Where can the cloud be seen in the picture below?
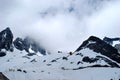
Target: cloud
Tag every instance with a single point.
(60, 24)
(106, 21)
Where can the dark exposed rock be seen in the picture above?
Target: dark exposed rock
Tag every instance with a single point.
(110, 40)
(111, 63)
(44, 61)
(18, 43)
(89, 60)
(6, 39)
(70, 53)
(28, 44)
(117, 46)
(19, 70)
(42, 71)
(101, 47)
(26, 57)
(2, 54)
(24, 71)
(63, 68)
(3, 77)
(80, 54)
(98, 65)
(65, 58)
(30, 54)
(79, 62)
(53, 61)
(33, 60)
(59, 51)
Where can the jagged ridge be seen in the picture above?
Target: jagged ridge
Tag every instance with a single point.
(101, 47)
(7, 43)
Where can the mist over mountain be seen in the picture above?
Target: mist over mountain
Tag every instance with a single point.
(21, 58)
(59, 23)
(60, 39)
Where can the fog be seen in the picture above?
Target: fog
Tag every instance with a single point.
(61, 24)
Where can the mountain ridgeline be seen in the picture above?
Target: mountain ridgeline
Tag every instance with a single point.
(27, 44)
(94, 52)
(101, 47)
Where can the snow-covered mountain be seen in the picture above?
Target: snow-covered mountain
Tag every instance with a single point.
(27, 44)
(93, 60)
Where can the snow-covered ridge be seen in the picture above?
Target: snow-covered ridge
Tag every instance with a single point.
(93, 58)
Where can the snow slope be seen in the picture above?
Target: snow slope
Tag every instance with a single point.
(25, 60)
(50, 67)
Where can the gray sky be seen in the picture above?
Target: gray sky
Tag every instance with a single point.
(61, 24)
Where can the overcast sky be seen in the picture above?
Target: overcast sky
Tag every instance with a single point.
(61, 24)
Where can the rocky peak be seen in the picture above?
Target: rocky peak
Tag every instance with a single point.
(101, 47)
(29, 45)
(6, 39)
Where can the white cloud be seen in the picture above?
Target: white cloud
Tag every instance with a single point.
(60, 24)
(106, 21)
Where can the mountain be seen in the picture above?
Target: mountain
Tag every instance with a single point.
(6, 39)
(27, 44)
(93, 60)
(101, 47)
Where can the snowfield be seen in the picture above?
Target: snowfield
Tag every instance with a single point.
(19, 66)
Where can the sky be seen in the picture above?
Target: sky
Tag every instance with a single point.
(61, 24)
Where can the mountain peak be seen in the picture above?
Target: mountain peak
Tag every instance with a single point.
(90, 40)
(6, 39)
(101, 47)
(28, 44)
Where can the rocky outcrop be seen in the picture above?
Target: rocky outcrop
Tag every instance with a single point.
(101, 47)
(6, 39)
(2, 54)
(28, 45)
(98, 58)
(18, 43)
(117, 46)
(3, 77)
(110, 40)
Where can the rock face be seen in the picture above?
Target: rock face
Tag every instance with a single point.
(110, 40)
(3, 77)
(117, 46)
(18, 43)
(29, 45)
(101, 47)
(6, 39)
(2, 54)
